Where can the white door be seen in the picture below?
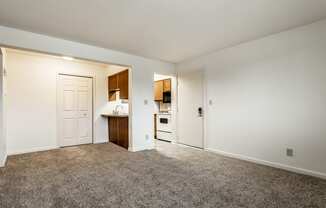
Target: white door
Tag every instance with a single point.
(190, 109)
(75, 110)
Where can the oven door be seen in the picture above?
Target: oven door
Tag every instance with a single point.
(163, 123)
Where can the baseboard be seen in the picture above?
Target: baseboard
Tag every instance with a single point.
(102, 141)
(270, 164)
(35, 149)
(3, 162)
(141, 148)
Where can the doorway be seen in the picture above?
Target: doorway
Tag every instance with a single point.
(190, 109)
(75, 110)
(165, 107)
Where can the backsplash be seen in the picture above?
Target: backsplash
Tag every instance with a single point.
(110, 106)
(162, 107)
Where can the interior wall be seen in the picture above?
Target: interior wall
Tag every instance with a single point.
(268, 95)
(142, 74)
(3, 129)
(32, 93)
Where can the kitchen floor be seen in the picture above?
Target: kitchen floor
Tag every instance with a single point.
(105, 175)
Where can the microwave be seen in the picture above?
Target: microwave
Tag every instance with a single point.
(167, 97)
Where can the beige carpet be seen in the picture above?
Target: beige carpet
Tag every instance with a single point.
(105, 175)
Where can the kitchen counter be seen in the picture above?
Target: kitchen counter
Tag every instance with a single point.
(114, 115)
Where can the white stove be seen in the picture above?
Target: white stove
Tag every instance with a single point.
(164, 127)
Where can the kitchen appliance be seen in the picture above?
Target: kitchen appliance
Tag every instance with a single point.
(164, 127)
(167, 97)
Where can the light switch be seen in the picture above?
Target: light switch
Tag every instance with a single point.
(145, 102)
(210, 102)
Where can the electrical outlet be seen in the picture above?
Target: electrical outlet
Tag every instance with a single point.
(210, 102)
(145, 102)
(289, 152)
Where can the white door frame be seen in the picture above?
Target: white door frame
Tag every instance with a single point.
(93, 77)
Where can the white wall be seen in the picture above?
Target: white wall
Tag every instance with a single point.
(142, 74)
(32, 93)
(268, 95)
(3, 146)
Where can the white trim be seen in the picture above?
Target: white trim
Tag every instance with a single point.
(205, 108)
(101, 141)
(34, 149)
(270, 164)
(141, 148)
(187, 146)
(3, 162)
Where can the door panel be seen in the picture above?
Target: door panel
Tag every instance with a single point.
(68, 100)
(84, 88)
(75, 110)
(190, 99)
(113, 130)
(123, 132)
(69, 131)
(83, 100)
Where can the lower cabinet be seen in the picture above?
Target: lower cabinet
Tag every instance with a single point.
(118, 131)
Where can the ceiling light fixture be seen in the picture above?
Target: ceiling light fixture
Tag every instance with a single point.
(68, 58)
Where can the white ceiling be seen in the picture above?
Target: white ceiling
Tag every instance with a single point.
(170, 30)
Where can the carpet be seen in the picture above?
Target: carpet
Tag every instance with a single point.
(105, 175)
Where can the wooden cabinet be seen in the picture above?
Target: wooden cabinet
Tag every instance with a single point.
(123, 84)
(167, 85)
(119, 131)
(160, 87)
(113, 130)
(113, 83)
(119, 83)
(123, 139)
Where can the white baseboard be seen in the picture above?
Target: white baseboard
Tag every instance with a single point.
(101, 141)
(35, 149)
(141, 148)
(270, 164)
(3, 161)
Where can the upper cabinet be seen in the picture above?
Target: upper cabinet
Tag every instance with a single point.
(161, 87)
(113, 83)
(123, 84)
(167, 85)
(158, 89)
(118, 82)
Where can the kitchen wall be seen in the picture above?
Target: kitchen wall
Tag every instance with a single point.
(32, 92)
(269, 95)
(3, 128)
(142, 74)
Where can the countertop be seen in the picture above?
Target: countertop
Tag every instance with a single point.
(114, 115)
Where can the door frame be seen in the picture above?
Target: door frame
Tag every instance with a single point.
(205, 107)
(93, 78)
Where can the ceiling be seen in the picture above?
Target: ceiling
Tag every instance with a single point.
(169, 30)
